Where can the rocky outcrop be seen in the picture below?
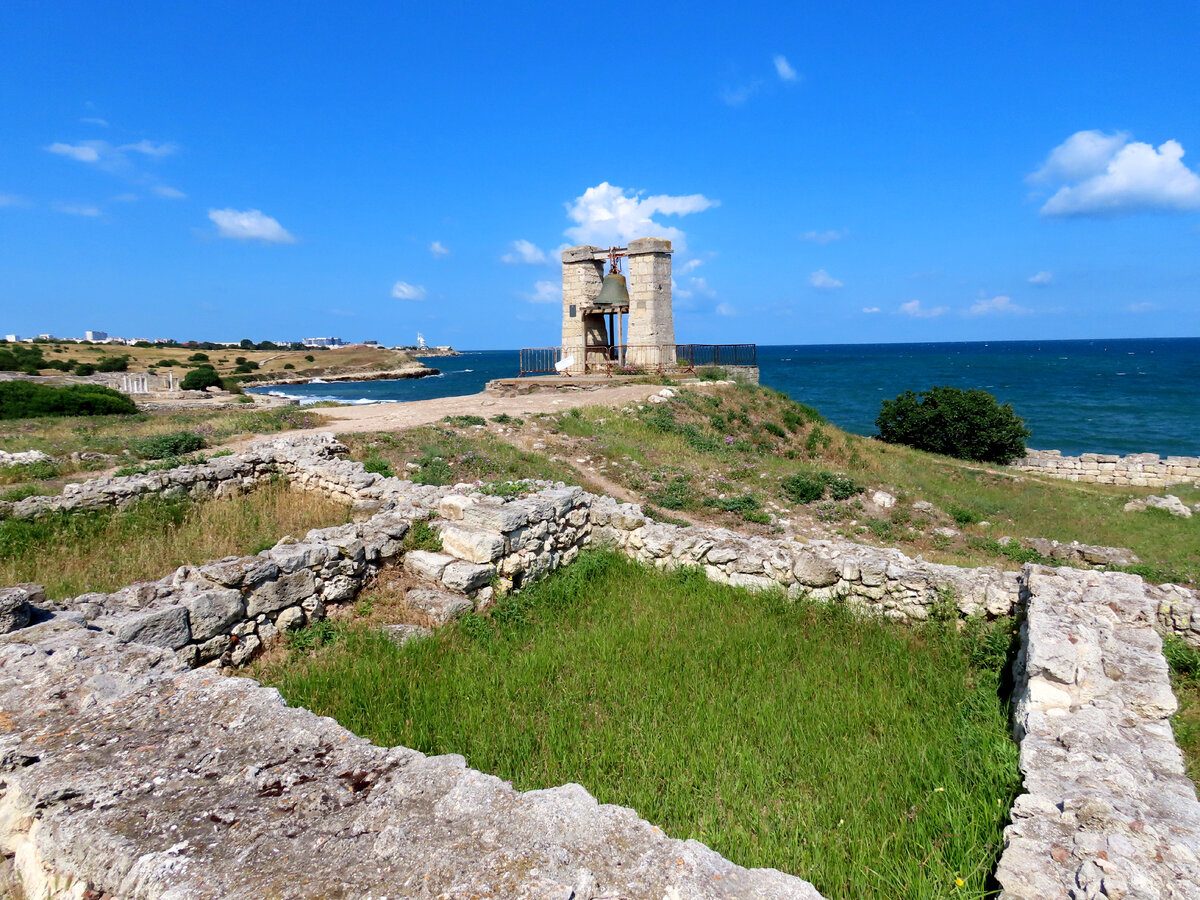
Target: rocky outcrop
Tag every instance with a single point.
(1170, 503)
(1107, 810)
(1084, 555)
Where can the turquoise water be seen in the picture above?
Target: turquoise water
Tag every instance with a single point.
(1104, 396)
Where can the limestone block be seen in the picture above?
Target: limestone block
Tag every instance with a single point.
(403, 633)
(244, 650)
(501, 519)
(340, 589)
(165, 627)
(465, 577)
(437, 607)
(287, 590)
(246, 571)
(451, 507)
(295, 556)
(472, 546)
(213, 612)
(290, 619)
(425, 564)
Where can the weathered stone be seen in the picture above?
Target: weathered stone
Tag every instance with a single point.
(437, 607)
(15, 611)
(290, 619)
(501, 519)
(340, 588)
(473, 546)
(464, 577)
(284, 591)
(166, 627)
(213, 612)
(426, 564)
(883, 499)
(403, 633)
(244, 650)
(813, 571)
(451, 507)
(245, 572)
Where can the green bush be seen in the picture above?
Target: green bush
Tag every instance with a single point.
(21, 399)
(772, 428)
(965, 424)
(712, 373)
(379, 466)
(165, 446)
(199, 357)
(805, 487)
(85, 369)
(464, 421)
(199, 379)
(112, 364)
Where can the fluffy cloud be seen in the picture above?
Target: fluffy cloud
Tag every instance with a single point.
(85, 152)
(526, 253)
(77, 209)
(690, 266)
(1112, 175)
(402, 290)
(11, 200)
(823, 281)
(1041, 278)
(870, 309)
(545, 292)
(724, 309)
(1144, 306)
(249, 225)
(93, 120)
(605, 215)
(996, 305)
(825, 237)
(170, 193)
(437, 248)
(736, 96)
(913, 308)
(783, 68)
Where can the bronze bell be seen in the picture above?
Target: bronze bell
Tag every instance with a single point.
(613, 292)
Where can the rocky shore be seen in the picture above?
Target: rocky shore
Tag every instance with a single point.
(419, 371)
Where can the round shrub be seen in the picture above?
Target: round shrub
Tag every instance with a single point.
(22, 399)
(85, 369)
(199, 379)
(166, 446)
(965, 424)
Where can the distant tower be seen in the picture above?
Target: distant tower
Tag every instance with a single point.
(587, 337)
(420, 340)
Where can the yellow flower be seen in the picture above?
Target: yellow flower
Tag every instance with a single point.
(959, 882)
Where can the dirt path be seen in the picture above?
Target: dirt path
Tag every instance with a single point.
(399, 416)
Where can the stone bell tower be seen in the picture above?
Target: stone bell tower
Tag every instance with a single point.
(589, 342)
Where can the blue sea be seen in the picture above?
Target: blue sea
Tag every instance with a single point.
(1102, 396)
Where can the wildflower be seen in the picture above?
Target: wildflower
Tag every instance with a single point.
(958, 882)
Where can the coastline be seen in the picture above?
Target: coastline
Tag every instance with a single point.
(423, 372)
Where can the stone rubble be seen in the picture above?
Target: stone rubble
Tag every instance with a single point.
(24, 458)
(1108, 811)
(1170, 503)
(1081, 554)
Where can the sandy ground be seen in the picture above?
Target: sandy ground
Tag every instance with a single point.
(399, 416)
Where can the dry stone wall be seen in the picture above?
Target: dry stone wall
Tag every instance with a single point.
(125, 772)
(1137, 469)
(1108, 811)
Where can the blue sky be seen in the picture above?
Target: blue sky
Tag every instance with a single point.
(901, 172)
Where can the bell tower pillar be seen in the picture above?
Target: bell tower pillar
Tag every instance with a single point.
(651, 323)
(582, 276)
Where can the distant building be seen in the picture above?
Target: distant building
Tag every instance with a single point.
(46, 337)
(370, 343)
(95, 336)
(12, 338)
(323, 342)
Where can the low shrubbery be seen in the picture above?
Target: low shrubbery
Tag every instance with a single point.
(200, 379)
(25, 400)
(808, 487)
(167, 446)
(965, 424)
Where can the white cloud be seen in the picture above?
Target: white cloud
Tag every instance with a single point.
(690, 266)
(1144, 306)
(699, 287)
(85, 152)
(783, 69)
(545, 292)
(402, 290)
(249, 225)
(437, 248)
(825, 237)
(736, 96)
(823, 281)
(169, 192)
(984, 307)
(150, 148)
(1114, 175)
(526, 253)
(126, 198)
(92, 120)
(1042, 278)
(12, 200)
(77, 209)
(870, 309)
(1082, 155)
(724, 309)
(913, 308)
(605, 215)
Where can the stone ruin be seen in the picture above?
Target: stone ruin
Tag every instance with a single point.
(133, 768)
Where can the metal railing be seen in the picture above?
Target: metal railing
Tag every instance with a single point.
(635, 359)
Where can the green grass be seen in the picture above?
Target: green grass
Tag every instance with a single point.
(1185, 679)
(869, 758)
(102, 550)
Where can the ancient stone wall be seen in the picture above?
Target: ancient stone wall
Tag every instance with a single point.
(1137, 469)
(218, 776)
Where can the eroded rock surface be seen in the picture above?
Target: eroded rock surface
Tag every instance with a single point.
(128, 775)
